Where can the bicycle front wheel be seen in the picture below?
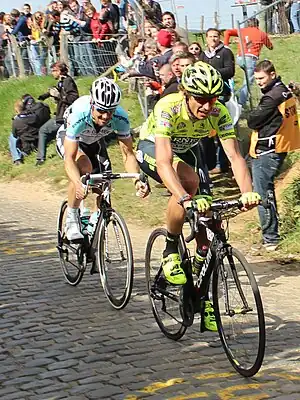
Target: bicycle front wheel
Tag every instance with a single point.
(239, 313)
(165, 298)
(115, 259)
(71, 256)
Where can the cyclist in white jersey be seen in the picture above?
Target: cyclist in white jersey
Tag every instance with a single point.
(81, 142)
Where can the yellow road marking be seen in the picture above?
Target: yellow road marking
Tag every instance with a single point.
(189, 396)
(215, 376)
(286, 376)
(228, 393)
(155, 386)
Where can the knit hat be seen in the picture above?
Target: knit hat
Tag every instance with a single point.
(164, 38)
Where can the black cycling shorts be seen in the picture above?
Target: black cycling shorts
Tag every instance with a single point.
(96, 152)
(145, 156)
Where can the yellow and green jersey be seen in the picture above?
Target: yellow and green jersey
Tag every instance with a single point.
(171, 118)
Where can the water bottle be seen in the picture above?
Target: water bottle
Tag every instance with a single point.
(92, 222)
(84, 218)
(199, 259)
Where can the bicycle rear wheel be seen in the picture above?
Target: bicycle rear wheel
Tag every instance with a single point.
(239, 313)
(164, 298)
(115, 259)
(71, 256)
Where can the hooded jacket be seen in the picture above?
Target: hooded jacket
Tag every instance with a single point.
(275, 121)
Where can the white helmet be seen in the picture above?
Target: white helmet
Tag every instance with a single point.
(106, 94)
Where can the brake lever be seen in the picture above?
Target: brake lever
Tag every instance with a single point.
(192, 218)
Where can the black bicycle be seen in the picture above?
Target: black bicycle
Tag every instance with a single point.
(235, 294)
(107, 246)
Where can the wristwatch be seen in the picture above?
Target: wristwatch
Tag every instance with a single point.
(184, 198)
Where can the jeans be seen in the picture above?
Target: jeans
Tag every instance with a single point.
(249, 69)
(47, 133)
(222, 160)
(295, 15)
(15, 152)
(264, 171)
(38, 54)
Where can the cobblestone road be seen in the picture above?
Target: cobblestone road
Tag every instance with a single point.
(60, 342)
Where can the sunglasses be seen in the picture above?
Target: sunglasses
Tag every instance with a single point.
(195, 48)
(101, 111)
(203, 100)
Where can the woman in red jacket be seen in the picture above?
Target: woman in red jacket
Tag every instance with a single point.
(100, 30)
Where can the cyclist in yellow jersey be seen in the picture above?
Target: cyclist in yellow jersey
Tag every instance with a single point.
(167, 151)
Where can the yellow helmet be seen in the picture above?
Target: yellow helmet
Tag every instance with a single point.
(201, 79)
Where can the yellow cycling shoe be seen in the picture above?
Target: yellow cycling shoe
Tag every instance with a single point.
(172, 269)
(209, 317)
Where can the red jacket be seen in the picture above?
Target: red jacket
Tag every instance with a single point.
(99, 30)
(253, 40)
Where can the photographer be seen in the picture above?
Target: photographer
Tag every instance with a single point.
(30, 116)
(64, 93)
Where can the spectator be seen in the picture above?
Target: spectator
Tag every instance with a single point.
(27, 10)
(51, 32)
(175, 36)
(221, 58)
(276, 132)
(179, 62)
(153, 10)
(38, 49)
(64, 93)
(110, 13)
(174, 62)
(22, 31)
(180, 47)
(2, 41)
(295, 14)
(266, 15)
(168, 80)
(253, 40)
(30, 116)
(195, 48)
(168, 21)
(164, 44)
(150, 68)
(185, 59)
(99, 30)
(123, 11)
(51, 7)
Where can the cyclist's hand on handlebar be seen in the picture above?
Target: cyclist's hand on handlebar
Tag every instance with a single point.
(142, 189)
(202, 202)
(250, 200)
(80, 191)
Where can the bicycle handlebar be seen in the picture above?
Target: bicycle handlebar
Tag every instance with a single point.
(222, 205)
(93, 179)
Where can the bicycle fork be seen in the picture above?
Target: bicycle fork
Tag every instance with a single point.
(224, 276)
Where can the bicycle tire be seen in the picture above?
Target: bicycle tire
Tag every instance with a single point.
(179, 331)
(63, 251)
(117, 301)
(225, 321)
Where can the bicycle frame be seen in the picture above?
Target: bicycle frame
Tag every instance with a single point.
(101, 184)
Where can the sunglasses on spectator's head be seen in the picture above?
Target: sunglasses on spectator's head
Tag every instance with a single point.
(203, 100)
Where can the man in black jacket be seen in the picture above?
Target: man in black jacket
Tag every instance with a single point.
(30, 116)
(275, 122)
(64, 93)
